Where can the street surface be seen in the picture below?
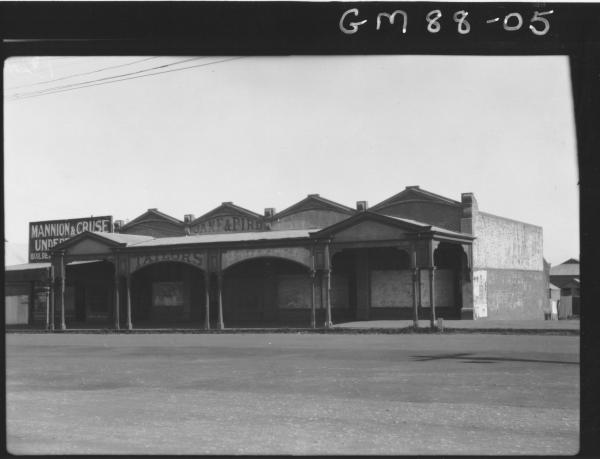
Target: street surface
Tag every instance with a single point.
(292, 394)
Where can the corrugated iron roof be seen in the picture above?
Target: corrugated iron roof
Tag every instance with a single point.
(26, 266)
(124, 238)
(437, 229)
(225, 237)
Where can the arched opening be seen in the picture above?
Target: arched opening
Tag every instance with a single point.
(89, 293)
(371, 283)
(451, 265)
(167, 294)
(266, 291)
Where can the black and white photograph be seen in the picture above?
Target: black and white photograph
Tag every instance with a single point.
(308, 254)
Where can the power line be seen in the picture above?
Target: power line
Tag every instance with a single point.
(73, 85)
(83, 85)
(82, 74)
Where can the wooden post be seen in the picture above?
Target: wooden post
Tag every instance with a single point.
(48, 292)
(206, 300)
(415, 287)
(220, 325)
(116, 300)
(51, 293)
(61, 289)
(128, 288)
(313, 312)
(328, 323)
(432, 295)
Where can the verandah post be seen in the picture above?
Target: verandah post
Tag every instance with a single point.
(313, 318)
(128, 288)
(221, 325)
(206, 300)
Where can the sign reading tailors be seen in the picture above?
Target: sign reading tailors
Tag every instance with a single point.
(45, 235)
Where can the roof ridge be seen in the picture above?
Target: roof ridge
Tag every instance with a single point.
(227, 205)
(155, 212)
(314, 197)
(418, 190)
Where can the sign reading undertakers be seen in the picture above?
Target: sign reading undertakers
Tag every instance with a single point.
(44, 235)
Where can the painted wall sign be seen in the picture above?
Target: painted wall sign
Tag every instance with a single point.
(138, 261)
(227, 223)
(167, 294)
(480, 294)
(44, 235)
(301, 255)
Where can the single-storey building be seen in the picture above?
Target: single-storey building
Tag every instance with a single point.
(414, 255)
(566, 277)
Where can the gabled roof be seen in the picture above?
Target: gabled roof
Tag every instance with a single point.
(565, 269)
(414, 193)
(570, 261)
(227, 207)
(110, 239)
(314, 202)
(153, 214)
(403, 223)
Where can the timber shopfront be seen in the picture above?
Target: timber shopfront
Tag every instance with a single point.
(311, 265)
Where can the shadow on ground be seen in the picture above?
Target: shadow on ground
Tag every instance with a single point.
(467, 357)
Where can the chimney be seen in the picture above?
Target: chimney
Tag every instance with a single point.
(469, 204)
(361, 206)
(316, 195)
(117, 225)
(269, 212)
(469, 211)
(188, 218)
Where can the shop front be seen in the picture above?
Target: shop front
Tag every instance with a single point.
(366, 267)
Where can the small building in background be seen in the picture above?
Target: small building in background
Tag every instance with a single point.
(553, 300)
(566, 277)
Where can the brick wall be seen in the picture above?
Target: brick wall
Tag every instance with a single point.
(506, 244)
(515, 295)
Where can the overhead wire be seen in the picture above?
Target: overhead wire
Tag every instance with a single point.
(83, 74)
(26, 96)
(86, 83)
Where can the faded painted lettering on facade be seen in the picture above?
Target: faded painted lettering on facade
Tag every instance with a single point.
(138, 261)
(43, 236)
(227, 223)
(480, 293)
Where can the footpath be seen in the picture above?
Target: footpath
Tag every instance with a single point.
(543, 327)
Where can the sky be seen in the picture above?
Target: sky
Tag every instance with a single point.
(267, 131)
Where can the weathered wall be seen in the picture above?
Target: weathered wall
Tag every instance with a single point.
(510, 253)
(437, 214)
(506, 244)
(16, 309)
(294, 291)
(392, 288)
(300, 255)
(155, 228)
(308, 219)
(515, 294)
(444, 288)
